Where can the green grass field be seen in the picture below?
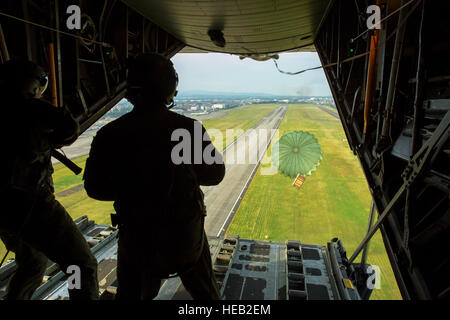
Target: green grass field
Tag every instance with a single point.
(333, 202)
(330, 108)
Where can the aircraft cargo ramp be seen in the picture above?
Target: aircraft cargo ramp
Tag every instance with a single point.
(245, 269)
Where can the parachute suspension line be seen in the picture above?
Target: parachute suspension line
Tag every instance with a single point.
(295, 73)
(325, 66)
(104, 44)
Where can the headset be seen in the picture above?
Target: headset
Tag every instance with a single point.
(175, 91)
(24, 78)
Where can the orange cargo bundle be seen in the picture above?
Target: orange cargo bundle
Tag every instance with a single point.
(299, 180)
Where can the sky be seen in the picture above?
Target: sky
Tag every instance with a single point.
(227, 73)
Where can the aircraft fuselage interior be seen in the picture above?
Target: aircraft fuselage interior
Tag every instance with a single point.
(390, 83)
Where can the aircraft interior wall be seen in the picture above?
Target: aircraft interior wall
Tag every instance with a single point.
(395, 112)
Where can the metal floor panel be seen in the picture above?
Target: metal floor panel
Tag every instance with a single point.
(248, 270)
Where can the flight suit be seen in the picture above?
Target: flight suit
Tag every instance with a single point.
(159, 203)
(33, 224)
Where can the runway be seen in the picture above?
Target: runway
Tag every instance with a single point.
(223, 199)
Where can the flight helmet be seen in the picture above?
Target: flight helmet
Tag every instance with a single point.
(151, 78)
(22, 78)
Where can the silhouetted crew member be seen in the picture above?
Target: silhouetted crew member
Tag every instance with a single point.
(158, 201)
(33, 224)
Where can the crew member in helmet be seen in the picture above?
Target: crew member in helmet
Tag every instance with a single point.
(33, 224)
(138, 162)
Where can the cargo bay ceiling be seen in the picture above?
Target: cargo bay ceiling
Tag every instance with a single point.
(248, 26)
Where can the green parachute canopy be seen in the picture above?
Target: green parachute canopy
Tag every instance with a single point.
(297, 152)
